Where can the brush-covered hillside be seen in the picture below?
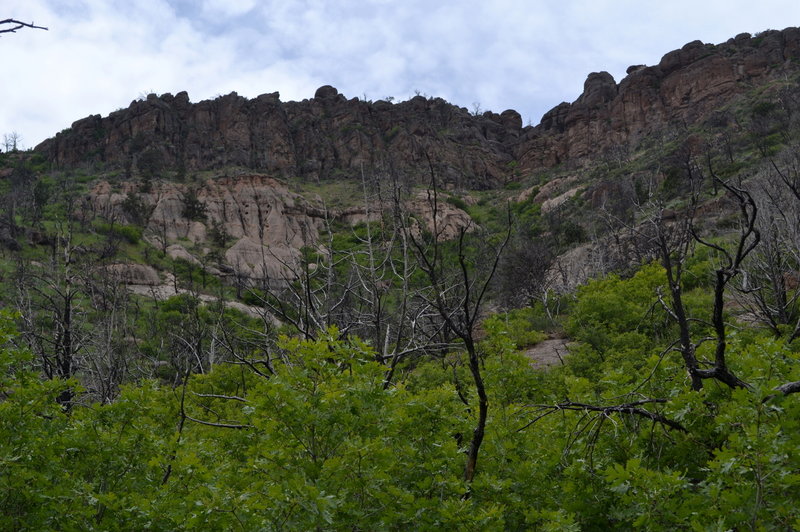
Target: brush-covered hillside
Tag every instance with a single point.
(344, 314)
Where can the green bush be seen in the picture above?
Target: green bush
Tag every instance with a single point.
(129, 233)
(517, 325)
(457, 202)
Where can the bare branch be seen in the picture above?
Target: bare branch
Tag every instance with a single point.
(17, 25)
(217, 396)
(219, 425)
(633, 408)
(789, 388)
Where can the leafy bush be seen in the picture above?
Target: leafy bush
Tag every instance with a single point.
(457, 202)
(517, 325)
(129, 233)
(193, 208)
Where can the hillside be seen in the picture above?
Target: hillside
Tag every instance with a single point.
(332, 141)
(342, 314)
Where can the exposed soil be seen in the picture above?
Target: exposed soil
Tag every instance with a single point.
(548, 353)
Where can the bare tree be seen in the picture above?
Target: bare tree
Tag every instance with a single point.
(364, 288)
(49, 297)
(767, 290)
(523, 272)
(111, 354)
(11, 25)
(672, 236)
(457, 292)
(12, 141)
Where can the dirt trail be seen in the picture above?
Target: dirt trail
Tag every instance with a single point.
(548, 353)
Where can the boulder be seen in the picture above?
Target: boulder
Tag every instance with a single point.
(136, 274)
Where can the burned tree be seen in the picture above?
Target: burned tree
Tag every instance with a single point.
(457, 292)
(11, 25)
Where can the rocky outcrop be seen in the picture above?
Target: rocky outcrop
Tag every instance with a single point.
(324, 137)
(260, 224)
(440, 218)
(330, 136)
(136, 274)
(684, 88)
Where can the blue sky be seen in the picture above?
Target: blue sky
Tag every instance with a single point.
(526, 55)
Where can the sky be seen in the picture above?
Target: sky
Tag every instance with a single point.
(99, 55)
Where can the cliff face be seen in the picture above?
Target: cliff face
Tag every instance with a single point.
(327, 136)
(331, 136)
(265, 225)
(684, 87)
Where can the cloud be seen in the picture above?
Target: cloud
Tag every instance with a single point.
(227, 8)
(101, 54)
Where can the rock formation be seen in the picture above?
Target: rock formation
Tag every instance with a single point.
(327, 136)
(261, 225)
(259, 221)
(683, 88)
(331, 136)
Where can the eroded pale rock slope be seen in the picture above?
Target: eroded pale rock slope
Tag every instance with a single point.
(265, 224)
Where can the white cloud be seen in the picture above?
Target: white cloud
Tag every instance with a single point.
(228, 8)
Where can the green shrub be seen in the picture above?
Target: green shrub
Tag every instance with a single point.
(129, 233)
(517, 325)
(457, 202)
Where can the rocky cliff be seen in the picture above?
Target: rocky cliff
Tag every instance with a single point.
(262, 225)
(684, 87)
(332, 136)
(327, 136)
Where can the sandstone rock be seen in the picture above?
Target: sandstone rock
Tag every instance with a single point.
(265, 224)
(524, 195)
(511, 120)
(554, 187)
(548, 353)
(357, 215)
(554, 203)
(555, 119)
(176, 251)
(599, 88)
(259, 213)
(326, 92)
(255, 260)
(138, 274)
(449, 219)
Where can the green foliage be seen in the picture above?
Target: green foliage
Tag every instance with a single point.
(193, 208)
(136, 210)
(129, 233)
(517, 325)
(322, 444)
(573, 233)
(192, 275)
(457, 202)
(527, 216)
(219, 236)
(763, 108)
(616, 313)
